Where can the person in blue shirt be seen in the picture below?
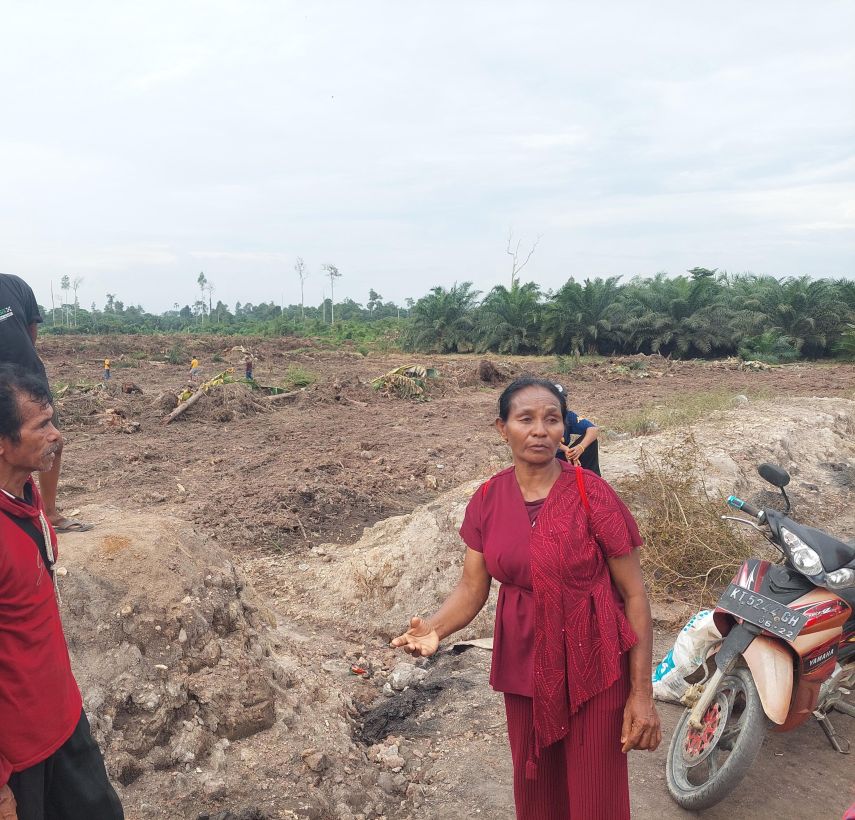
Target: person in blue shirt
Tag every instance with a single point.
(579, 445)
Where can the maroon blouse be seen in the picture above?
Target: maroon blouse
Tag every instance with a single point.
(499, 523)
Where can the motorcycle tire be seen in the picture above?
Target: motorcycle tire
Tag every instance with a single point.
(743, 747)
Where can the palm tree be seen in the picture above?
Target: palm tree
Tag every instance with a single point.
(508, 320)
(679, 315)
(582, 316)
(810, 312)
(443, 321)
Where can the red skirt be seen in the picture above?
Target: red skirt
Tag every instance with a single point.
(584, 775)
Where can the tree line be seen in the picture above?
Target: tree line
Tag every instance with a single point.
(703, 313)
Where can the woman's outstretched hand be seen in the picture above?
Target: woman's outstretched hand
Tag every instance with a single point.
(419, 640)
(641, 726)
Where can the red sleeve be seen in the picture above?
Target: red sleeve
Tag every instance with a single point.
(613, 524)
(470, 529)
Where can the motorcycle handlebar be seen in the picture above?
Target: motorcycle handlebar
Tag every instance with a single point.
(743, 506)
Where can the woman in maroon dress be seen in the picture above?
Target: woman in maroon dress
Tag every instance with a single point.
(572, 648)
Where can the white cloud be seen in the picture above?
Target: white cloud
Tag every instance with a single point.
(401, 142)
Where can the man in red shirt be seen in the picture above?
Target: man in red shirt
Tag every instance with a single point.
(49, 764)
(19, 321)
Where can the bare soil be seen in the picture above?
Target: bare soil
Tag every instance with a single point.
(281, 485)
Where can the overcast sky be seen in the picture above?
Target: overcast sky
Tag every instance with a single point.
(143, 143)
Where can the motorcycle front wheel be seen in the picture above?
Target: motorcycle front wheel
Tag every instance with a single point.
(704, 765)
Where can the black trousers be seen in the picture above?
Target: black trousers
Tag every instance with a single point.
(71, 784)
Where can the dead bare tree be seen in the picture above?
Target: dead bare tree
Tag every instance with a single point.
(76, 283)
(65, 286)
(300, 267)
(332, 272)
(514, 253)
(209, 286)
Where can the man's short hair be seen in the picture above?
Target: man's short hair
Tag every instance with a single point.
(15, 381)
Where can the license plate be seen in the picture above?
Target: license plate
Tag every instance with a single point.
(761, 611)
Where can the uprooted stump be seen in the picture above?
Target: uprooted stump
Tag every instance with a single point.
(165, 402)
(488, 373)
(223, 402)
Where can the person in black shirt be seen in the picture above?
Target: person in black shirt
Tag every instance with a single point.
(19, 321)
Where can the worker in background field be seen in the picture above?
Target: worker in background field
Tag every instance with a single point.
(106, 370)
(247, 363)
(194, 369)
(584, 450)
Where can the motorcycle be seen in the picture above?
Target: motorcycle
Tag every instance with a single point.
(788, 653)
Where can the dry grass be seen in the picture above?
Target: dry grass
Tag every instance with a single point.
(689, 553)
(680, 411)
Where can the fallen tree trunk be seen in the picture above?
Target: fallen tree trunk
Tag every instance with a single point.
(185, 405)
(284, 398)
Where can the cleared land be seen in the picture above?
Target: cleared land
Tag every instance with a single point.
(284, 488)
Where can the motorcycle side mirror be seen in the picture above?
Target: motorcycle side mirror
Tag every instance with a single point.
(774, 474)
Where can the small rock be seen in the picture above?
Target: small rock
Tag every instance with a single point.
(392, 783)
(214, 789)
(740, 400)
(404, 675)
(289, 717)
(316, 761)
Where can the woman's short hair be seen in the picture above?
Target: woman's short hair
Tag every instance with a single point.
(529, 381)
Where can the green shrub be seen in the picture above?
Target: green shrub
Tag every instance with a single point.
(299, 377)
(177, 354)
(770, 347)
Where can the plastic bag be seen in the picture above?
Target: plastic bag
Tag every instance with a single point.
(690, 650)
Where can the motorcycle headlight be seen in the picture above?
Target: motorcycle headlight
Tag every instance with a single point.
(804, 559)
(840, 578)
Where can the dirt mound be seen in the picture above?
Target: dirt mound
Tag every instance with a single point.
(183, 668)
(812, 438)
(166, 641)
